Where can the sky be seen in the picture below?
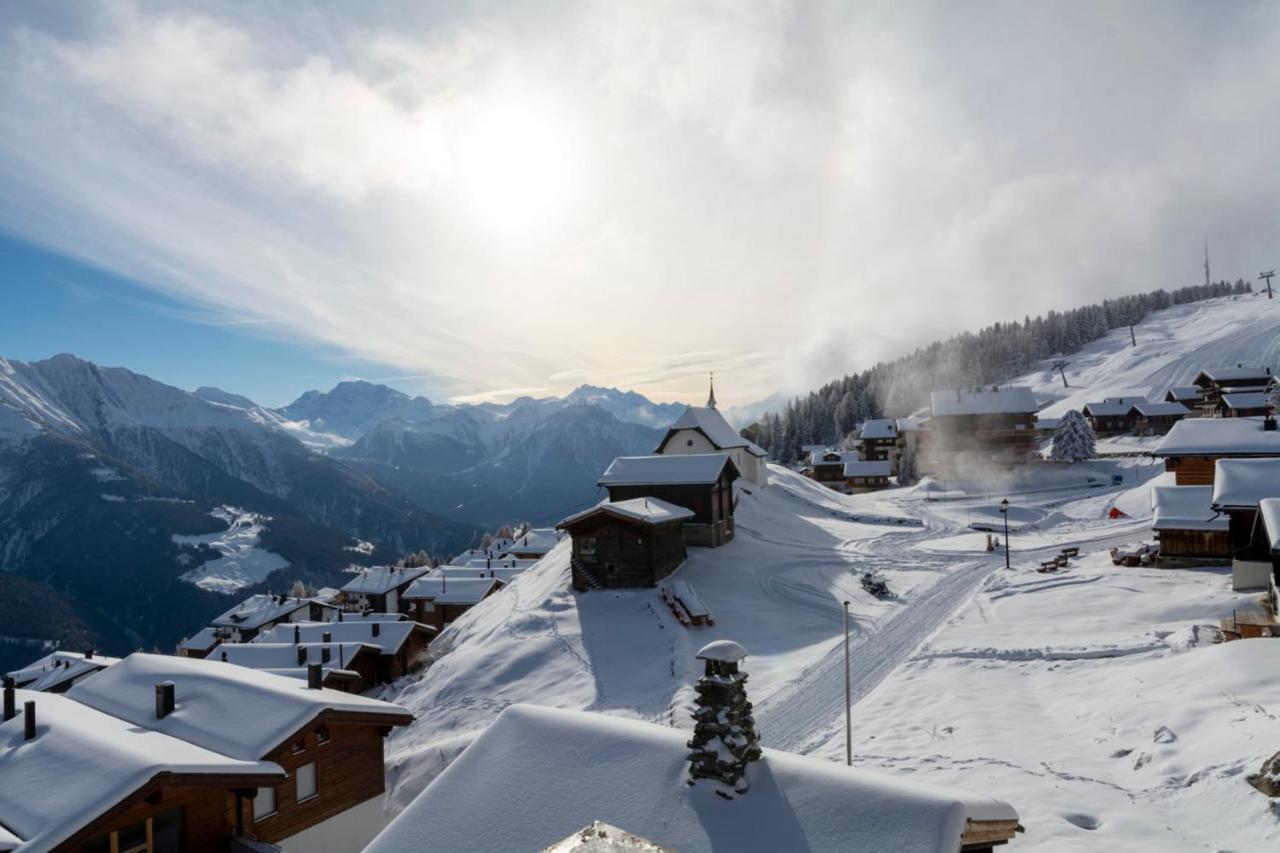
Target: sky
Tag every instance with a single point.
(476, 200)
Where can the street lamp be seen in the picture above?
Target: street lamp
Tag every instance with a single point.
(1004, 510)
(848, 709)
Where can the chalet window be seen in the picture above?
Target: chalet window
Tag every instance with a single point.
(159, 834)
(322, 735)
(264, 805)
(689, 442)
(306, 781)
(300, 745)
(587, 545)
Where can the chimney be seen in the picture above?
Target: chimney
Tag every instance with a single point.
(376, 627)
(724, 735)
(339, 615)
(327, 637)
(29, 720)
(88, 654)
(325, 655)
(297, 635)
(1269, 423)
(302, 656)
(164, 699)
(313, 676)
(10, 711)
(224, 657)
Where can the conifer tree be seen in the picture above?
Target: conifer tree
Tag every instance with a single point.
(1073, 440)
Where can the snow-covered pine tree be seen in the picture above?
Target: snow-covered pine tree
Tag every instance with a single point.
(724, 734)
(298, 590)
(1073, 440)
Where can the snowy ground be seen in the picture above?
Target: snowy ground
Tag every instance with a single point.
(242, 563)
(1094, 699)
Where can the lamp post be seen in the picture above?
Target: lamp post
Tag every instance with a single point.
(848, 709)
(1004, 510)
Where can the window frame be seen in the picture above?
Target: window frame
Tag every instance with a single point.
(275, 804)
(297, 782)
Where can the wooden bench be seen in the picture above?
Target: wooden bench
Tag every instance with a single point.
(1071, 552)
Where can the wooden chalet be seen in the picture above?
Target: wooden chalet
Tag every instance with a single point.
(1239, 487)
(1254, 404)
(1187, 395)
(378, 589)
(1188, 529)
(438, 599)
(996, 423)
(626, 544)
(827, 466)
(878, 440)
(1156, 418)
(702, 430)
(254, 615)
(701, 482)
(1113, 416)
(1214, 382)
(867, 476)
(1194, 445)
(160, 753)
(399, 643)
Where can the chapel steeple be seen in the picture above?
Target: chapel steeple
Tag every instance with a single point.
(711, 400)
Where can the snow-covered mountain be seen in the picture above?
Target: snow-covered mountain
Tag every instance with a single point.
(351, 409)
(101, 468)
(626, 405)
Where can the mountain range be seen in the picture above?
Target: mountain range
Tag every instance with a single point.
(106, 475)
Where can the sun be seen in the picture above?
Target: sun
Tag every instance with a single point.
(516, 167)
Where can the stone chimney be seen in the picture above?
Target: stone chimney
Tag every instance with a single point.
(297, 635)
(29, 720)
(724, 735)
(314, 680)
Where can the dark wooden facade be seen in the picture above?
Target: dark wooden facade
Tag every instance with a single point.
(622, 553)
(1156, 424)
(879, 449)
(867, 483)
(1008, 436)
(1195, 545)
(1211, 390)
(831, 473)
(711, 503)
(1225, 411)
(437, 615)
(1191, 470)
(211, 810)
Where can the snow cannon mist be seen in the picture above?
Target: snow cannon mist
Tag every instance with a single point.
(724, 735)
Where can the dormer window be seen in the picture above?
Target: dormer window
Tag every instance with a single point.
(322, 735)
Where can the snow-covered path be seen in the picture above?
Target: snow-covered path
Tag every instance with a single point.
(802, 717)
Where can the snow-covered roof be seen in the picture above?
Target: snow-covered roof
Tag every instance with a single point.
(1241, 483)
(84, 762)
(722, 650)
(1269, 518)
(278, 656)
(838, 457)
(600, 837)
(536, 541)
(1126, 399)
(679, 469)
(555, 771)
(233, 710)
(451, 590)
(1183, 392)
(475, 554)
(390, 637)
(1185, 508)
(495, 563)
(713, 425)
(647, 510)
(1160, 409)
(870, 468)
(984, 401)
(1109, 408)
(880, 428)
(58, 668)
(1219, 437)
(202, 640)
(379, 580)
(504, 573)
(1238, 373)
(1251, 400)
(1048, 424)
(257, 610)
(911, 424)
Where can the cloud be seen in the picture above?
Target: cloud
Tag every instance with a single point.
(637, 194)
